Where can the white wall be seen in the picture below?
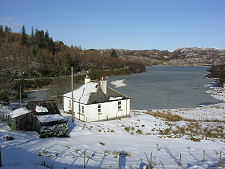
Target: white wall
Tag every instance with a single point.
(108, 110)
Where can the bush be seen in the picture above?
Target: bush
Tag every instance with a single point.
(195, 139)
(127, 129)
(101, 143)
(9, 138)
(139, 131)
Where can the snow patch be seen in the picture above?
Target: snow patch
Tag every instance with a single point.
(115, 98)
(19, 112)
(50, 118)
(40, 109)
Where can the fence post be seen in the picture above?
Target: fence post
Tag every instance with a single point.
(179, 163)
(44, 156)
(204, 156)
(84, 159)
(0, 156)
(221, 159)
(119, 161)
(151, 161)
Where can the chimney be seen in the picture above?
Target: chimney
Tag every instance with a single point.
(87, 79)
(103, 84)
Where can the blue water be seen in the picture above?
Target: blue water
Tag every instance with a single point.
(167, 87)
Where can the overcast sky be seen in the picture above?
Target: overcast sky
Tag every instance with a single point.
(127, 24)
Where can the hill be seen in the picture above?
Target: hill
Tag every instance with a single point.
(181, 56)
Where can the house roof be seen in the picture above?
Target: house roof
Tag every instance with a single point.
(91, 93)
(50, 118)
(19, 112)
(43, 107)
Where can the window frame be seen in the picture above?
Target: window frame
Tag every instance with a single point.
(82, 109)
(70, 103)
(119, 105)
(99, 109)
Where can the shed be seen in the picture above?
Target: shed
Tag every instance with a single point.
(41, 116)
(20, 119)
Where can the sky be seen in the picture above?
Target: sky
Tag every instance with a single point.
(122, 24)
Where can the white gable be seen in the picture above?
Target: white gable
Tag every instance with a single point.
(82, 94)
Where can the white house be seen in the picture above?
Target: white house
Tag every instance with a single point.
(95, 101)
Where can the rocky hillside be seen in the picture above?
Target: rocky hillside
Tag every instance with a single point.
(181, 56)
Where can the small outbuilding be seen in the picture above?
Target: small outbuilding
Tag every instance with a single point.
(41, 116)
(95, 101)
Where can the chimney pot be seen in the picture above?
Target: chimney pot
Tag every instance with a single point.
(87, 79)
(103, 85)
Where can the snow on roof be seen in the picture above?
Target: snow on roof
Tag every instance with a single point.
(19, 112)
(115, 98)
(82, 94)
(40, 109)
(50, 118)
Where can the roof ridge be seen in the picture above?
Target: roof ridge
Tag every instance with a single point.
(118, 92)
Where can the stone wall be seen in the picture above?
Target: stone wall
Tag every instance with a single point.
(54, 130)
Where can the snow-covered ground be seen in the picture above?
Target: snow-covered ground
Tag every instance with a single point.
(119, 83)
(137, 136)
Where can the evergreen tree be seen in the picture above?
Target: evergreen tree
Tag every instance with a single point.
(1, 34)
(32, 36)
(24, 36)
(6, 33)
(113, 53)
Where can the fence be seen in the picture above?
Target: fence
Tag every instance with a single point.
(89, 159)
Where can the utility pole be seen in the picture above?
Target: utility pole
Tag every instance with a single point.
(72, 94)
(20, 97)
(0, 157)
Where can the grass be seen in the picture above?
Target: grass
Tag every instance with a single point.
(195, 139)
(166, 116)
(195, 130)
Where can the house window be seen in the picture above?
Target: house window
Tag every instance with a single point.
(82, 109)
(70, 103)
(99, 108)
(119, 105)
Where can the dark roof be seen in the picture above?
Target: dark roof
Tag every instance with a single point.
(100, 97)
(50, 105)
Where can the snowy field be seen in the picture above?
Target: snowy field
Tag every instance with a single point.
(136, 137)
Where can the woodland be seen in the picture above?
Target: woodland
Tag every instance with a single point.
(34, 60)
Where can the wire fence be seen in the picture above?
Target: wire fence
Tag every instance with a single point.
(19, 158)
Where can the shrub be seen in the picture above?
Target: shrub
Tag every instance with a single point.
(139, 131)
(127, 129)
(195, 139)
(101, 143)
(9, 138)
